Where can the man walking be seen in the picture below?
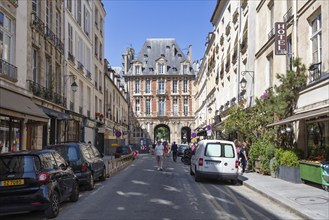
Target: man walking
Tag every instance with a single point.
(174, 149)
(158, 150)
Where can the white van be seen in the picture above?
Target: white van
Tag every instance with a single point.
(215, 159)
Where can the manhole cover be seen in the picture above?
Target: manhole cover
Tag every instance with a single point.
(311, 200)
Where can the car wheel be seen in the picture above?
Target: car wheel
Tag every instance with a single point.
(91, 183)
(103, 176)
(197, 177)
(53, 209)
(75, 192)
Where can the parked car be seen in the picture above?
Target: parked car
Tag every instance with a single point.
(122, 150)
(181, 149)
(36, 180)
(215, 159)
(86, 161)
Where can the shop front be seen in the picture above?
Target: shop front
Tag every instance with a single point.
(21, 122)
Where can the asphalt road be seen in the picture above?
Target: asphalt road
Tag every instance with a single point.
(142, 192)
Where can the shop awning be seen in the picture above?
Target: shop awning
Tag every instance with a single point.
(55, 114)
(305, 115)
(20, 106)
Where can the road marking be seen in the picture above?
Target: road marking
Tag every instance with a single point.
(97, 190)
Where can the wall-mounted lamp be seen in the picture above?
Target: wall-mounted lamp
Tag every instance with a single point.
(243, 81)
(74, 85)
(209, 110)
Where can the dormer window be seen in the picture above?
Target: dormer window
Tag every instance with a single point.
(137, 70)
(161, 68)
(185, 69)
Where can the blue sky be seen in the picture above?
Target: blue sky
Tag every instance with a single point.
(130, 22)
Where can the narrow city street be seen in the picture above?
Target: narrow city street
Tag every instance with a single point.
(142, 192)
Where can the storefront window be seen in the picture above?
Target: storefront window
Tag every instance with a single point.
(10, 134)
(318, 141)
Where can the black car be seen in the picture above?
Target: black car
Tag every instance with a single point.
(35, 180)
(86, 161)
(122, 150)
(181, 149)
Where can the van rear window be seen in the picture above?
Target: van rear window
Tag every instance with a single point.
(219, 150)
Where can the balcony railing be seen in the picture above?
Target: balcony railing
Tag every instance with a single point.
(315, 72)
(88, 74)
(46, 93)
(14, 3)
(8, 71)
(46, 31)
(71, 57)
(80, 66)
(72, 106)
(288, 15)
(271, 34)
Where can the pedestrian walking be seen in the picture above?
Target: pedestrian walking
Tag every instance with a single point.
(238, 148)
(158, 150)
(174, 150)
(244, 158)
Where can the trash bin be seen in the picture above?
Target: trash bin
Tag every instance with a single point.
(325, 175)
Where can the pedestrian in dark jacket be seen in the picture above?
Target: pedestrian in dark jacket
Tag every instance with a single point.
(174, 149)
(244, 158)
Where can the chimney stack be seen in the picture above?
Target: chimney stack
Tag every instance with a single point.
(190, 53)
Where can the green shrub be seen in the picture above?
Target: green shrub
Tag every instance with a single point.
(287, 157)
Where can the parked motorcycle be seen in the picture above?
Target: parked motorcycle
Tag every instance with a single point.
(186, 158)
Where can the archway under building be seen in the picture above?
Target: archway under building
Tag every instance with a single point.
(186, 135)
(162, 133)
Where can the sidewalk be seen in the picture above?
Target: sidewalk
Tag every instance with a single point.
(307, 201)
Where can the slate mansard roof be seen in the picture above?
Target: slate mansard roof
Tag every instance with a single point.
(161, 48)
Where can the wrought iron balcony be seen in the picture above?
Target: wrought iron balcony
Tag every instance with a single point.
(46, 93)
(8, 71)
(71, 57)
(288, 15)
(271, 34)
(80, 66)
(88, 74)
(37, 23)
(315, 72)
(14, 3)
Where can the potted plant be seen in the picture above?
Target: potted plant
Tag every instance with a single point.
(288, 162)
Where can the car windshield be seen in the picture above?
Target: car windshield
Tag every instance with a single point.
(18, 164)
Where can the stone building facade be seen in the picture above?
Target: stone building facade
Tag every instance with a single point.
(160, 84)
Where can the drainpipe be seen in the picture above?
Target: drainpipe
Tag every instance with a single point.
(239, 54)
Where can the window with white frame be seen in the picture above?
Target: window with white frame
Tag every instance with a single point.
(36, 6)
(6, 38)
(58, 25)
(96, 46)
(86, 21)
(96, 18)
(70, 40)
(96, 77)
(49, 76)
(137, 69)
(49, 14)
(174, 86)
(80, 50)
(185, 69)
(100, 52)
(161, 87)
(79, 8)
(148, 106)
(137, 106)
(175, 107)
(316, 39)
(137, 86)
(185, 85)
(185, 106)
(270, 69)
(68, 5)
(161, 107)
(147, 86)
(161, 68)
(35, 63)
(88, 58)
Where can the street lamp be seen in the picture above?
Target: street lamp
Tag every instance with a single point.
(243, 84)
(74, 85)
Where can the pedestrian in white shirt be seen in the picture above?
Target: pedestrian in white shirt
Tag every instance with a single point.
(158, 150)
